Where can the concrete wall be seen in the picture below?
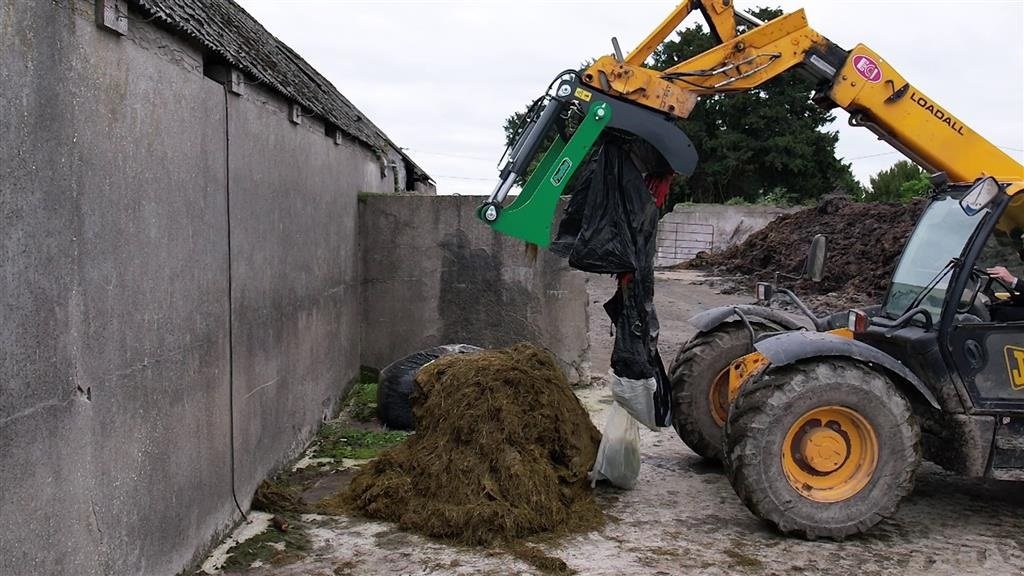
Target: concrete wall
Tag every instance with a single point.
(143, 265)
(434, 274)
(731, 225)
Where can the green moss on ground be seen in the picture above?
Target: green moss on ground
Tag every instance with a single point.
(338, 441)
(271, 547)
(282, 494)
(361, 402)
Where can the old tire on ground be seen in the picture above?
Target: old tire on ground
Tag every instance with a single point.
(698, 408)
(397, 380)
(822, 449)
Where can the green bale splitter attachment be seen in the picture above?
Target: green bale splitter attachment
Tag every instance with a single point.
(530, 215)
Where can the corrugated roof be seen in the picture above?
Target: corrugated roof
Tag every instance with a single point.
(225, 28)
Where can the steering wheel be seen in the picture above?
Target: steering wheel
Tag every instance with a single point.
(983, 286)
(981, 273)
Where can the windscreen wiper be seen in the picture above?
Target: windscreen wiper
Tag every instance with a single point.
(939, 276)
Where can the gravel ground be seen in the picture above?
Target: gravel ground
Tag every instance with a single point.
(683, 517)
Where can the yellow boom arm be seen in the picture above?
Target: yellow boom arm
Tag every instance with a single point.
(859, 81)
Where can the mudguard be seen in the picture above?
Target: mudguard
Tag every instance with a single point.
(795, 346)
(710, 319)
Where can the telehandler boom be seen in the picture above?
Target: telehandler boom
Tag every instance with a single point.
(619, 92)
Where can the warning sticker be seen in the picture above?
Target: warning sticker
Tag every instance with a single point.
(1015, 366)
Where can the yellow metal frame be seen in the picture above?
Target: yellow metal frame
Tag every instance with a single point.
(746, 368)
(927, 129)
(880, 99)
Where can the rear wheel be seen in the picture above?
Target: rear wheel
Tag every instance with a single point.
(822, 449)
(700, 386)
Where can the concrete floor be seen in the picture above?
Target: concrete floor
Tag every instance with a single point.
(683, 517)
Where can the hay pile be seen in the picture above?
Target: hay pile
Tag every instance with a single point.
(501, 451)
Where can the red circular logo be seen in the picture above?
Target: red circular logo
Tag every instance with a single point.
(868, 68)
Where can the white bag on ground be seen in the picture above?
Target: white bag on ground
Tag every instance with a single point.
(618, 456)
(637, 397)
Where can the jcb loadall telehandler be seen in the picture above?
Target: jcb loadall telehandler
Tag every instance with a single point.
(821, 431)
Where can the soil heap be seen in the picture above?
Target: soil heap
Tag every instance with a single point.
(501, 451)
(864, 244)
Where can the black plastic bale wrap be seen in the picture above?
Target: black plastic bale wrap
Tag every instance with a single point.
(397, 380)
(610, 226)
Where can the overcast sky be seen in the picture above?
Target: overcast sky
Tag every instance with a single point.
(440, 77)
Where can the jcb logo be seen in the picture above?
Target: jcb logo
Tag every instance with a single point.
(1015, 364)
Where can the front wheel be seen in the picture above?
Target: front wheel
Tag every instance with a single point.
(822, 449)
(700, 386)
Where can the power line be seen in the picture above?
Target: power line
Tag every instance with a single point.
(464, 178)
(449, 155)
(896, 152)
(871, 156)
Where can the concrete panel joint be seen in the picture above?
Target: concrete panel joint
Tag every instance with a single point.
(112, 15)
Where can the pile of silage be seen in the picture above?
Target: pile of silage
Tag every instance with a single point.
(501, 451)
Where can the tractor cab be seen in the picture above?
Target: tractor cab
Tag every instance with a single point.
(945, 317)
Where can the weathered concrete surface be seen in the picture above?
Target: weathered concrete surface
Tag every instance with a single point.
(684, 518)
(294, 266)
(434, 274)
(732, 224)
(114, 454)
(118, 306)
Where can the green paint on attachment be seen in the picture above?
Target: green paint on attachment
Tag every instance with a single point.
(529, 217)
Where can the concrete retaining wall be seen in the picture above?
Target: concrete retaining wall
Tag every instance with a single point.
(143, 265)
(434, 274)
(690, 228)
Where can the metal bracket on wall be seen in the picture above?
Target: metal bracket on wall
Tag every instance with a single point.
(382, 159)
(230, 77)
(235, 82)
(295, 113)
(110, 15)
(335, 134)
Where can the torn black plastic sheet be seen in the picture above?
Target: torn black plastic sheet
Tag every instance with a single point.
(610, 227)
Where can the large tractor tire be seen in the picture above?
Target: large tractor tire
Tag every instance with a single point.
(700, 386)
(822, 449)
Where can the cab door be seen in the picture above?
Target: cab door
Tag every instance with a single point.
(990, 359)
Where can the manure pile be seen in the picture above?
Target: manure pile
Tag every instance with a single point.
(864, 244)
(501, 451)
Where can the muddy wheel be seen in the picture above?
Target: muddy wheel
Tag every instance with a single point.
(822, 449)
(700, 386)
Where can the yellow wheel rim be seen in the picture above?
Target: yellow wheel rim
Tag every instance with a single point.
(718, 397)
(830, 454)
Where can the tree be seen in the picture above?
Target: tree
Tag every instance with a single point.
(901, 182)
(758, 144)
(762, 144)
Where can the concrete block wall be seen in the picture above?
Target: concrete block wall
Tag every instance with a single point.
(696, 225)
(434, 274)
(164, 255)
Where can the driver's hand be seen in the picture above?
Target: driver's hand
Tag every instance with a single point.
(1002, 274)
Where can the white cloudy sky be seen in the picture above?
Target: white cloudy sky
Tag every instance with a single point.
(440, 77)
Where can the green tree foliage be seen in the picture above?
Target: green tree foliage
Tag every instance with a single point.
(763, 144)
(901, 182)
(759, 145)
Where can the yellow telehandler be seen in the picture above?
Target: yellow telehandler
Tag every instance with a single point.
(821, 431)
